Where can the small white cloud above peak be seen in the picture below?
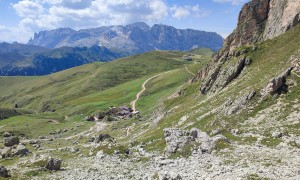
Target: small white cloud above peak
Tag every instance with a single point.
(233, 2)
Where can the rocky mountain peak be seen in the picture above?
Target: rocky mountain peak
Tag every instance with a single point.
(263, 19)
(139, 25)
(130, 39)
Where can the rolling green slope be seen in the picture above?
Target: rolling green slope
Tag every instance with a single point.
(72, 87)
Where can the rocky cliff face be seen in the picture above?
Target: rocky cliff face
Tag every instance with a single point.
(263, 19)
(133, 38)
(258, 20)
(283, 14)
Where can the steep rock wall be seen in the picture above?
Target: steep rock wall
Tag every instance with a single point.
(258, 20)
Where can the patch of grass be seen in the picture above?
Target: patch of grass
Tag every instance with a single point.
(272, 142)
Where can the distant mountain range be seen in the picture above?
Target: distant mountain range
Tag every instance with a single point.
(130, 39)
(29, 60)
(60, 49)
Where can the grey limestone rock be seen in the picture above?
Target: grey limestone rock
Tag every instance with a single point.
(3, 172)
(54, 164)
(12, 140)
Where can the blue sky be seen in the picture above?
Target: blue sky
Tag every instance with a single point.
(19, 19)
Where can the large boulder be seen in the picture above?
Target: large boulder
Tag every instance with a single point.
(10, 141)
(176, 139)
(3, 172)
(54, 164)
(276, 83)
(103, 137)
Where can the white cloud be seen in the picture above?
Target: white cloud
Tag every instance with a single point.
(28, 9)
(46, 14)
(180, 12)
(233, 2)
(3, 28)
(37, 15)
(10, 34)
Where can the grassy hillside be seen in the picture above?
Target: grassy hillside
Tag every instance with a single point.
(81, 84)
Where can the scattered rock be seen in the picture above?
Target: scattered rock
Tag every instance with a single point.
(234, 131)
(33, 141)
(215, 131)
(277, 134)
(100, 154)
(3, 172)
(232, 107)
(103, 137)
(19, 150)
(89, 118)
(165, 162)
(7, 134)
(54, 164)
(16, 150)
(248, 61)
(36, 146)
(115, 114)
(10, 141)
(176, 139)
(71, 149)
(127, 151)
(169, 176)
(116, 151)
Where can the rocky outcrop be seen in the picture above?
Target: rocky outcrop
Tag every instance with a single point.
(113, 114)
(250, 24)
(263, 19)
(176, 139)
(283, 14)
(219, 77)
(258, 20)
(16, 150)
(276, 83)
(233, 106)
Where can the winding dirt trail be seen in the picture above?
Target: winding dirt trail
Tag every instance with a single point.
(133, 103)
(187, 69)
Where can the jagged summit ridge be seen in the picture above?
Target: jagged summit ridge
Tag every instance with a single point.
(133, 38)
